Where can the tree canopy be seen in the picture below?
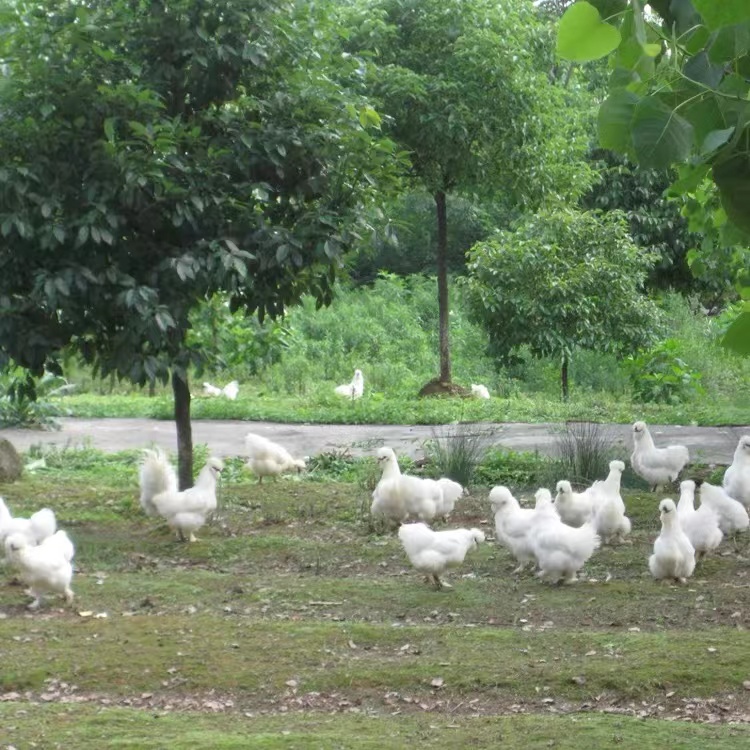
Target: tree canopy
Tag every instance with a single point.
(679, 92)
(563, 280)
(154, 153)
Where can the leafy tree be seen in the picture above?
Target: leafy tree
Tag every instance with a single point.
(154, 153)
(679, 95)
(465, 87)
(563, 280)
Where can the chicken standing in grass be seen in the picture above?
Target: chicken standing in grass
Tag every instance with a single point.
(230, 390)
(185, 512)
(451, 493)
(674, 555)
(479, 391)
(46, 568)
(609, 519)
(512, 525)
(269, 459)
(432, 552)
(352, 390)
(700, 526)
(731, 513)
(574, 508)
(657, 466)
(36, 528)
(737, 476)
(398, 496)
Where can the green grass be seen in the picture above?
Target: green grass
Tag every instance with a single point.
(304, 629)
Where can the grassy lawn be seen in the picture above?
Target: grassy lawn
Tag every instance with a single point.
(296, 623)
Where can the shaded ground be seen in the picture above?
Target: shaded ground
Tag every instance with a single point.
(226, 437)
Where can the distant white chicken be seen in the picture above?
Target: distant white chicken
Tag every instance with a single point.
(574, 508)
(731, 513)
(609, 519)
(36, 528)
(479, 391)
(512, 525)
(230, 390)
(451, 493)
(657, 466)
(398, 496)
(185, 512)
(352, 390)
(46, 568)
(269, 459)
(432, 552)
(674, 555)
(737, 476)
(701, 526)
(560, 550)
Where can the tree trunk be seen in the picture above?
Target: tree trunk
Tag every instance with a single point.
(184, 430)
(564, 377)
(442, 281)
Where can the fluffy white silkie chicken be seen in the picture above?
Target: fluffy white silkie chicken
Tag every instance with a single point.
(36, 528)
(574, 508)
(46, 567)
(674, 556)
(352, 390)
(609, 519)
(398, 496)
(731, 513)
(269, 459)
(230, 390)
(432, 552)
(479, 391)
(185, 512)
(737, 476)
(451, 492)
(657, 466)
(700, 526)
(560, 550)
(512, 525)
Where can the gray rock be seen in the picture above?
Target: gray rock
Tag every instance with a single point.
(11, 465)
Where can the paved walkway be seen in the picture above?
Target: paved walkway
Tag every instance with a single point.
(226, 437)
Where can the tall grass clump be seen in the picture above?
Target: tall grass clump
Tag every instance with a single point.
(584, 450)
(456, 452)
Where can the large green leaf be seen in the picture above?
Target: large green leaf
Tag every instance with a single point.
(718, 13)
(737, 337)
(616, 120)
(732, 177)
(660, 136)
(583, 36)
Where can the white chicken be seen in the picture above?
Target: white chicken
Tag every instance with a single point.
(398, 496)
(574, 508)
(185, 512)
(512, 525)
(657, 466)
(432, 552)
(609, 519)
(479, 391)
(269, 459)
(737, 476)
(730, 512)
(451, 492)
(36, 528)
(701, 526)
(352, 390)
(230, 390)
(674, 555)
(46, 567)
(560, 550)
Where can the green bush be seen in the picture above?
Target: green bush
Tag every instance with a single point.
(662, 376)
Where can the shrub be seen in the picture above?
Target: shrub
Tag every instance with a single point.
(584, 450)
(456, 452)
(660, 375)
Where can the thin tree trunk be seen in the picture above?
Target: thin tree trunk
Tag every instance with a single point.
(184, 430)
(564, 377)
(442, 280)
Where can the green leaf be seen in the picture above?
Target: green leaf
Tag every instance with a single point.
(715, 139)
(661, 137)
(583, 36)
(737, 337)
(732, 177)
(109, 129)
(718, 13)
(616, 118)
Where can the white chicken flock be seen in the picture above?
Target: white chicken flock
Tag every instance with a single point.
(556, 536)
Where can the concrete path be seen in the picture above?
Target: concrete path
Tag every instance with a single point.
(226, 437)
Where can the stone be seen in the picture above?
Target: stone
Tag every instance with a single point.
(11, 465)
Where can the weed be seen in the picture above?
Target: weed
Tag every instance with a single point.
(456, 452)
(585, 450)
